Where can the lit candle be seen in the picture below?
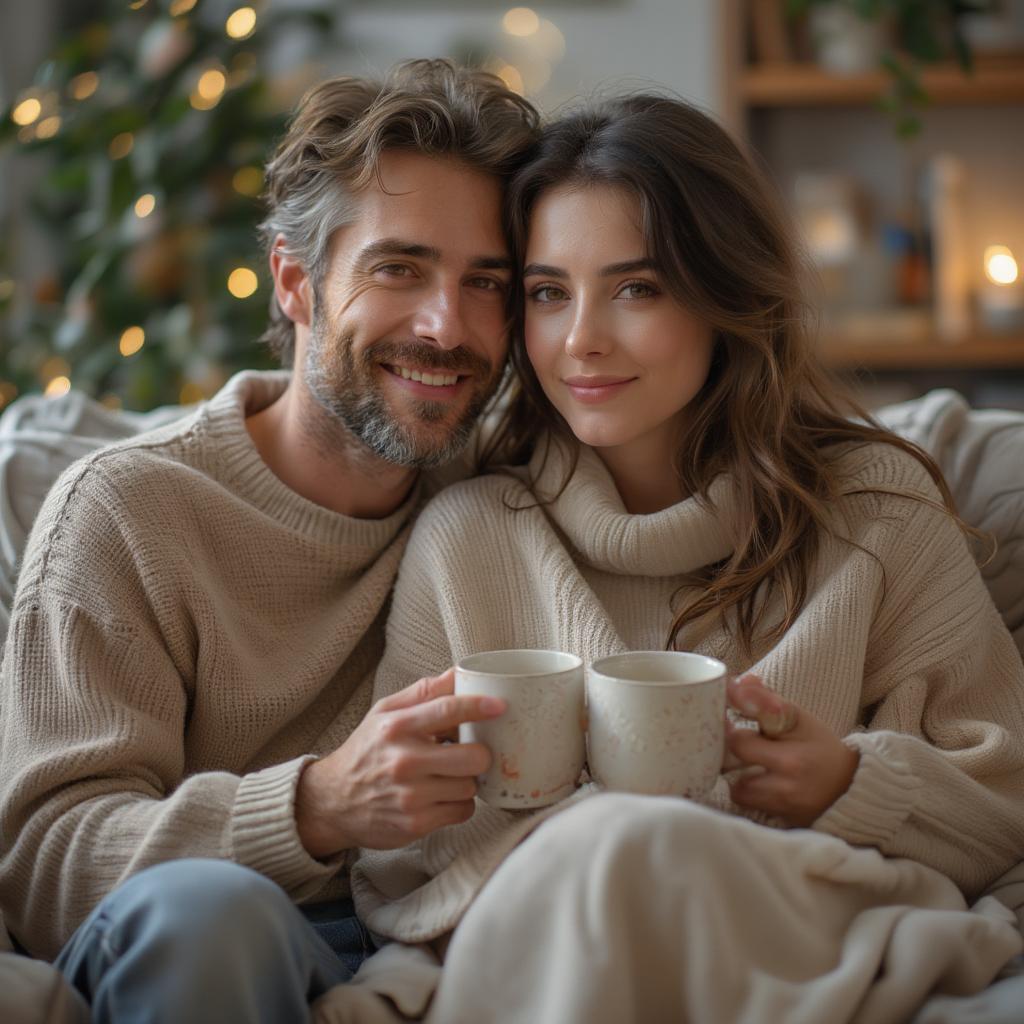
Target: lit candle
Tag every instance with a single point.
(1002, 298)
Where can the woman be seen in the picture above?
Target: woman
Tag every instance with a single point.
(697, 484)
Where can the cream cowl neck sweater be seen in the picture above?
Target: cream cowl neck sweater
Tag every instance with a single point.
(187, 634)
(899, 649)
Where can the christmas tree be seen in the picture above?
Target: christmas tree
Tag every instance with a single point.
(156, 123)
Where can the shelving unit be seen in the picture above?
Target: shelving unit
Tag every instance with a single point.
(788, 110)
(993, 81)
(977, 353)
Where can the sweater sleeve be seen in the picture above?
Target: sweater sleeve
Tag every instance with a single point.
(941, 773)
(93, 733)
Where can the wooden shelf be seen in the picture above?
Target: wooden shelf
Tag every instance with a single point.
(983, 353)
(994, 81)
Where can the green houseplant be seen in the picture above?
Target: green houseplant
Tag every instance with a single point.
(922, 32)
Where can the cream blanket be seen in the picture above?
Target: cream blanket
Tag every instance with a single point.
(741, 924)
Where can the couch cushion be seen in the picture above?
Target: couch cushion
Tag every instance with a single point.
(39, 438)
(981, 453)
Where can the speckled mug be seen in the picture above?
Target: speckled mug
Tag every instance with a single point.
(538, 745)
(657, 722)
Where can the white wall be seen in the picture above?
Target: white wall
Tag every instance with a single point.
(609, 44)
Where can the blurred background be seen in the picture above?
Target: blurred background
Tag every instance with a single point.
(134, 132)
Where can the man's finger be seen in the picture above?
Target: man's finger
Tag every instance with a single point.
(446, 790)
(456, 760)
(419, 692)
(442, 714)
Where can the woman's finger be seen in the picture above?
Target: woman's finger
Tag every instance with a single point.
(750, 747)
(751, 698)
(763, 792)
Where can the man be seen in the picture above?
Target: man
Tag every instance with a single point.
(185, 687)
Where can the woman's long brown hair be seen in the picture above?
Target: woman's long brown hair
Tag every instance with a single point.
(768, 413)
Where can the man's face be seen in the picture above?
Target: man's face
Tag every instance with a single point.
(408, 336)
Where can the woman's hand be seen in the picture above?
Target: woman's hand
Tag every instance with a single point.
(805, 766)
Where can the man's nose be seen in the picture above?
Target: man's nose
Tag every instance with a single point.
(440, 320)
(588, 335)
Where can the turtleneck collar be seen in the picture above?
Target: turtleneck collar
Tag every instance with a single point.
(590, 513)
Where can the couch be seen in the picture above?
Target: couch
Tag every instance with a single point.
(981, 453)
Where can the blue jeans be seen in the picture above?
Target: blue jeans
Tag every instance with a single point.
(206, 940)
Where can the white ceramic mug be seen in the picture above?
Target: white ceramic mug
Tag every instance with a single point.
(538, 745)
(657, 722)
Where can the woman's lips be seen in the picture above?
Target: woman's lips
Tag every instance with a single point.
(596, 389)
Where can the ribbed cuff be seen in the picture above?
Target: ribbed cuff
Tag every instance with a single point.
(880, 798)
(264, 832)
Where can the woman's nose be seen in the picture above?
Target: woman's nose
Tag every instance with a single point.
(587, 335)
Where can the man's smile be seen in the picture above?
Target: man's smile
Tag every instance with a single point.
(432, 378)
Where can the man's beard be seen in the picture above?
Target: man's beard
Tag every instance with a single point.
(345, 385)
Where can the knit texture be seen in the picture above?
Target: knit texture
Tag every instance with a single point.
(898, 648)
(187, 633)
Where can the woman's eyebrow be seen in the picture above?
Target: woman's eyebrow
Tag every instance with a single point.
(628, 267)
(543, 270)
(625, 267)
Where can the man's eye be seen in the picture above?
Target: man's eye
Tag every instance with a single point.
(394, 269)
(548, 293)
(488, 284)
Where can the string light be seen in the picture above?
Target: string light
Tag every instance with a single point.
(520, 21)
(132, 339)
(84, 85)
(241, 23)
(247, 181)
(145, 205)
(211, 85)
(200, 103)
(181, 7)
(27, 111)
(8, 392)
(46, 129)
(136, 5)
(121, 145)
(57, 387)
(511, 77)
(242, 282)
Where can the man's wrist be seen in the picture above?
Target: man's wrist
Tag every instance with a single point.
(314, 822)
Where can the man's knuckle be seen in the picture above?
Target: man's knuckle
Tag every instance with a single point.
(402, 766)
(406, 801)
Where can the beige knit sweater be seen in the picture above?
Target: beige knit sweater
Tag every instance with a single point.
(186, 634)
(898, 648)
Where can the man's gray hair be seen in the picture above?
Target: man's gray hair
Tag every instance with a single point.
(341, 128)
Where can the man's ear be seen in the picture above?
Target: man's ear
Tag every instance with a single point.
(292, 286)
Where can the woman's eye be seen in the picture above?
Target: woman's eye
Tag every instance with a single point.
(638, 290)
(548, 293)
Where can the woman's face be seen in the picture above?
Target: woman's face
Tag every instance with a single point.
(615, 353)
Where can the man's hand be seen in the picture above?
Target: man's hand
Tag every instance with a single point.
(393, 780)
(805, 766)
